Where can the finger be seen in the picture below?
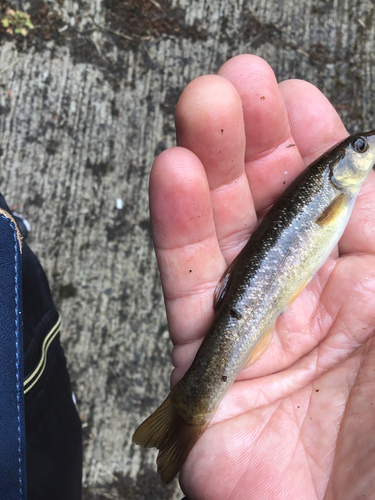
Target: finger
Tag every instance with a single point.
(189, 257)
(271, 159)
(314, 122)
(316, 127)
(359, 236)
(209, 122)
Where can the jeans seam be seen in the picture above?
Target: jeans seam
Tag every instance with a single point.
(17, 353)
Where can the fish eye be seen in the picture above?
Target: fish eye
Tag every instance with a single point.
(360, 145)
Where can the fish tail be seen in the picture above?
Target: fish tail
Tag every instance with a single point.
(174, 438)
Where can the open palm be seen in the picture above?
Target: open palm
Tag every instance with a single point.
(298, 424)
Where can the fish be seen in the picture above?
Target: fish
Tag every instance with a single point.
(285, 251)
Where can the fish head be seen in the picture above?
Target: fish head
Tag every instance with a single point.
(355, 159)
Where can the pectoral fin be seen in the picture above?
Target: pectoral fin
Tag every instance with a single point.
(223, 286)
(333, 209)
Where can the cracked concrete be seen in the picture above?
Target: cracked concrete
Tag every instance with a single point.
(86, 102)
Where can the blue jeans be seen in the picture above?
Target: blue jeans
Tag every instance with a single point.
(53, 427)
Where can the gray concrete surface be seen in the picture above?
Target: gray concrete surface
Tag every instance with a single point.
(86, 102)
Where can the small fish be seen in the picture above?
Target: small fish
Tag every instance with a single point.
(289, 246)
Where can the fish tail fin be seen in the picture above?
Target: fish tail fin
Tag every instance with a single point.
(168, 431)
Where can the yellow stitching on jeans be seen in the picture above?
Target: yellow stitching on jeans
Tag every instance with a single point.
(35, 375)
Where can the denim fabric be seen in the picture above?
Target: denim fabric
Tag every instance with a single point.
(12, 421)
(53, 427)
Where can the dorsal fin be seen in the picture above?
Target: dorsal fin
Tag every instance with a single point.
(223, 286)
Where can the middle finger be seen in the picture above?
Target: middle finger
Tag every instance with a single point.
(272, 160)
(209, 122)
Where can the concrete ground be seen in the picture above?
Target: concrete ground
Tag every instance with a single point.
(86, 102)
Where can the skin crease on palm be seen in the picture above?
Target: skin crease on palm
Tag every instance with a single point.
(299, 423)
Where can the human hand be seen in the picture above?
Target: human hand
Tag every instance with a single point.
(299, 422)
